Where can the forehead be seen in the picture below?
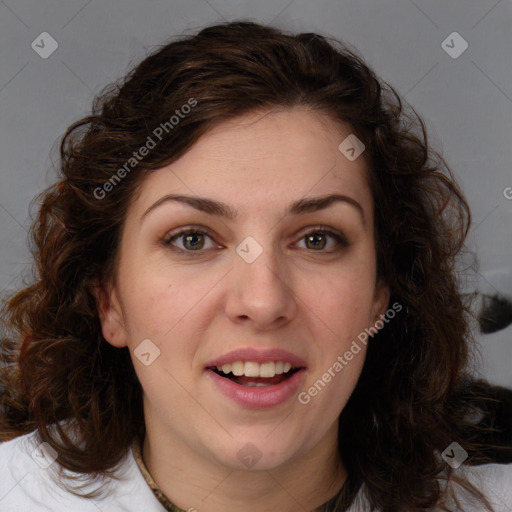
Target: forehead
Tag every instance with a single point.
(262, 158)
(298, 133)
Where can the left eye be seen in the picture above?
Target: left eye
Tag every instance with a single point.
(320, 233)
(317, 237)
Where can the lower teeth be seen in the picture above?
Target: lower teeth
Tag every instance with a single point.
(256, 384)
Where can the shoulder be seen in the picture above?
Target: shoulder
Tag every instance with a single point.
(495, 482)
(30, 482)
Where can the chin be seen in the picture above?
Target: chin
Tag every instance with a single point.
(256, 452)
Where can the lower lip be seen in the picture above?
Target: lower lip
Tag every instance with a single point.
(259, 397)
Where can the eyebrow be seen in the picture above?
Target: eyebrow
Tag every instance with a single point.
(220, 209)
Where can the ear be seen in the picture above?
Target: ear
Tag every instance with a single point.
(380, 300)
(110, 313)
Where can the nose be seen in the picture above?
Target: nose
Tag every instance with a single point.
(261, 292)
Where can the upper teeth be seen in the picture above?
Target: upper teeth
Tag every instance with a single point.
(252, 369)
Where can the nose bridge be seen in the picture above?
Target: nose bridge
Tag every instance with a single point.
(258, 260)
(260, 287)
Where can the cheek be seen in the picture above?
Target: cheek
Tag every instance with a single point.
(339, 313)
(155, 299)
(157, 311)
(172, 310)
(343, 300)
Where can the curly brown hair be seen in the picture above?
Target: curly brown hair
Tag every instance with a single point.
(414, 384)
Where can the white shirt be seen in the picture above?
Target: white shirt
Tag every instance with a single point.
(29, 483)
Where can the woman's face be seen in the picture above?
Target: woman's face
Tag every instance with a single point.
(255, 292)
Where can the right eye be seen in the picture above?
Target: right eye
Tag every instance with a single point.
(191, 239)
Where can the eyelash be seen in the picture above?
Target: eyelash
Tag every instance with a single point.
(322, 230)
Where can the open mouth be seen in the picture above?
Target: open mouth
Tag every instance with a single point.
(258, 383)
(244, 380)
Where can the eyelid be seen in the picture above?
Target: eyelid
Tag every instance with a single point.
(185, 230)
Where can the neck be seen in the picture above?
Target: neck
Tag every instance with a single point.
(194, 482)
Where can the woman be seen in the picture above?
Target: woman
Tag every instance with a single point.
(245, 297)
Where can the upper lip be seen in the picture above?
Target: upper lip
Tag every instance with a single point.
(258, 356)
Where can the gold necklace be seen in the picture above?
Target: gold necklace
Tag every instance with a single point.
(160, 496)
(165, 501)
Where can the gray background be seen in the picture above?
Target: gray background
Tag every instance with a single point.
(465, 101)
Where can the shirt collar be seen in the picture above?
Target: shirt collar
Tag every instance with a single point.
(160, 496)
